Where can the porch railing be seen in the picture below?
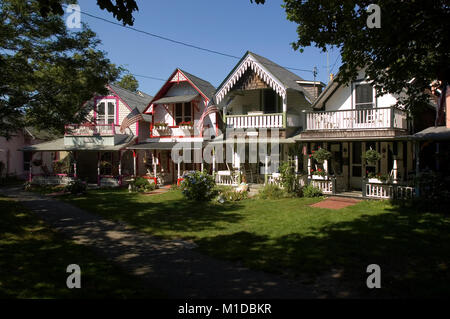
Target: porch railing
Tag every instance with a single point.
(388, 191)
(326, 185)
(375, 118)
(91, 129)
(226, 178)
(274, 120)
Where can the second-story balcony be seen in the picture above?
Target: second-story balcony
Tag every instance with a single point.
(362, 119)
(255, 120)
(91, 130)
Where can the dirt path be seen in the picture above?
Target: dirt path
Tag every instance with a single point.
(170, 265)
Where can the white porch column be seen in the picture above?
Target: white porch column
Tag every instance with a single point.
(309, 167)
(155, 162)
(120, 167)
(296, 164)
(134, 163)
(395, 170)
(214, 163)
(325, 166)
(266, 168)
(98, 168)
(179, 168)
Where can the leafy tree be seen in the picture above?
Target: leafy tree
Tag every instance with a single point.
(408, 52)
(129, 82)
(47, 72)
(122, 10)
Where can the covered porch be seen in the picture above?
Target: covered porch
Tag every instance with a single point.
(103, 165)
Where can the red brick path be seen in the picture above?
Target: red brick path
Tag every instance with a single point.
(336, 203)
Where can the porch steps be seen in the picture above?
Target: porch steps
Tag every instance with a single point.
(350, 194)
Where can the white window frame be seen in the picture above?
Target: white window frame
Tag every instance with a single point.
(104, 119)
(374, 96)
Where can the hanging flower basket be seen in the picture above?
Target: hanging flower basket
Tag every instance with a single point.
(321, 155)
(371, 156)
(37, 162)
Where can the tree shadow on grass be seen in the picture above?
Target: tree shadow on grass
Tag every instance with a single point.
(33, 262)
(412, 248)
(165, 212)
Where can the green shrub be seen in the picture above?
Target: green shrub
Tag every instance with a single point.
(289, 178)
(271, 191)
(228, 193)
(311, 191)
(141, 184)
(76, 187)
(198, 186)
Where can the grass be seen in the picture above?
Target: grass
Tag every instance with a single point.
(33, 262)
(412, 247)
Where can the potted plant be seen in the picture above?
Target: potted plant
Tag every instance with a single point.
(371, 157)
(37, 162)
(186, 125)
(318, 174)
(321, 155)
(377, 178)
(161, 126)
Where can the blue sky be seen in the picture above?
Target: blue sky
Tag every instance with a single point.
(228, 26)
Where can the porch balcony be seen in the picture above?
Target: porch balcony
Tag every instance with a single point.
(91, 130)
(256, 120)
(362, 119)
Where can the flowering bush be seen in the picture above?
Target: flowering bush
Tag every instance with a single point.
(228, 193)
(188, 123)
(198, 186)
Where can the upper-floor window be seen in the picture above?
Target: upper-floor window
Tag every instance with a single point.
(364, 96)
(106, 111)
(183, 112)
(270, 101)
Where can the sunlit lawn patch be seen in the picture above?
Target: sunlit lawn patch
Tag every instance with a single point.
(289, 236)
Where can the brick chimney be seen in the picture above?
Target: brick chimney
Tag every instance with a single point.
(313, 88)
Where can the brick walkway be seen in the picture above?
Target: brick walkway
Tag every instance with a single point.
(336, 203)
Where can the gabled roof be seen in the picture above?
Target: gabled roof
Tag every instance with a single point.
(283, 77)
(134, 100)
(207, 88)
(326, 93)
(203, 87)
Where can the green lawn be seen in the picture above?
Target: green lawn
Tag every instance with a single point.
(289, 236)
(33, 262)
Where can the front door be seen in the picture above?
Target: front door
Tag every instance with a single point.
(356, 165)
